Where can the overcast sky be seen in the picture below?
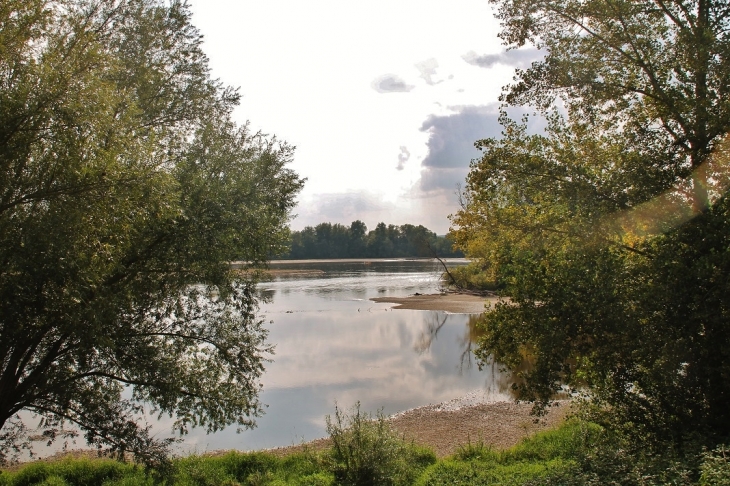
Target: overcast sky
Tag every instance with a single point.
(382, 99)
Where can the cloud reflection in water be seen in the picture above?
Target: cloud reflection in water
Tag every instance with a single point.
(335, 345)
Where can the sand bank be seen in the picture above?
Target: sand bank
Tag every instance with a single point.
(449, 302)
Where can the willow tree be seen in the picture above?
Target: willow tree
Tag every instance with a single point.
(610, 231)
(125, 188)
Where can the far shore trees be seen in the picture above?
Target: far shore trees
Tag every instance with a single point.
(327, 240)
(610, 232)
(125, 188)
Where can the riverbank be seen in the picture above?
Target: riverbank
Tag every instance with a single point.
(446, 427)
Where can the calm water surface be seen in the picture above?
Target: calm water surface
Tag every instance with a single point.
(334, 345)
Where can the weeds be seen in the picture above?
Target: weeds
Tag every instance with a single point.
(367, 451)
(474, 450)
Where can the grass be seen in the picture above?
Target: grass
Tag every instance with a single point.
(366, 451)
(546, 454)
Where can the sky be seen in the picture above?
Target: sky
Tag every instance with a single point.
(383, 100)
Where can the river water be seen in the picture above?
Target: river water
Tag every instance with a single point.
(334, 345)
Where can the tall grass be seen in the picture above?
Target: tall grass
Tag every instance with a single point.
(367, 451)
(547, 454)
(72, 472)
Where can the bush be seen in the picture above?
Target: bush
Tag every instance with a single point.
(716, 467)
(367, 451)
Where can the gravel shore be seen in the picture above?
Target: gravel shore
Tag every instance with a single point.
(499, 424)
(447, 426)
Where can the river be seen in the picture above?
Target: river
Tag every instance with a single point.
(334, 345)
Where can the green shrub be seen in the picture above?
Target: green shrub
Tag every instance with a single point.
(366, 451)
(29, 475)
(716, 467)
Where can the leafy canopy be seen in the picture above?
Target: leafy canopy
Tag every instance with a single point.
(609, 231)
(125, 188)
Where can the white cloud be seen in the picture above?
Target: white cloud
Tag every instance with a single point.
(306, 71)
(390, 83)
(519, 58)
(403, 157)
(428, 71)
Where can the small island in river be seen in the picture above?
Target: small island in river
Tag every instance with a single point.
(449, 302)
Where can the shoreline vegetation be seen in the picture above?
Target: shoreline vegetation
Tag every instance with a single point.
(327, 240)
(444, 430)
(462, 441)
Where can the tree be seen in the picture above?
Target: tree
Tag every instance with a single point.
(608, 232)
(357, 232)
(379, 242)
(125, 190)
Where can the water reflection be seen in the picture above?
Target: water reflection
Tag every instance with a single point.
(332, 344)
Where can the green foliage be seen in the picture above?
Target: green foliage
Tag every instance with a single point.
(328, 240)
(576, 453)
(606, 462)
(716, 467)
(251, 469)
(78, 472)
(546, 455)
(567, 442)
(366, 451)
(125, 190)
(451, 472)
(230, 469)
(609, 231)
(470, 277)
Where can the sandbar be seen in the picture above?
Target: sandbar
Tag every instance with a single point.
(448, 302)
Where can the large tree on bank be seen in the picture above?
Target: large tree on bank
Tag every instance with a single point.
(610, 232)
(125, 187)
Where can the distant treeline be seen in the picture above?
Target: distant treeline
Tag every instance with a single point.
(327, 240)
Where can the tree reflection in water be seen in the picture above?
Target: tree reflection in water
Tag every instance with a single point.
(433, 325)
(502, 381)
